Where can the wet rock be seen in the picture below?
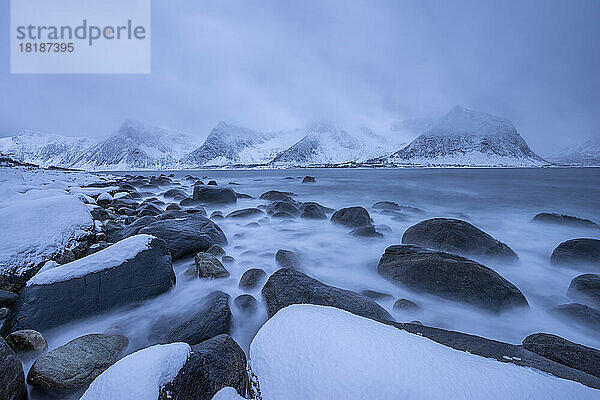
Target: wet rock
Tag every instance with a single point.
(391, 206)
(246, 303)
(312, 211)
(173, 207)
(207, 266)
(287, 286)
(171, 193)
(211, 195)
(212, 183)
(27, 341)
(187, 236)
(124, 202)
(366, 231)
(562, 351)
(449, 276)
(216, 250)
(243, 196)
(580, 314)
(282, 206)
(99, 213)
(104, 199)
(406, 305)
(383, 228)
(586, 289)
(562, 219)
(122, 274)
(245, 213)
(212, 317)
(12, 378)
(252, 278)
(325, 210)
(216, 215)
(75, 365)
(309, 179)
(189, 202)
(288, 259)
(227, 259)
(375, 295)
(149, 210)
(457, 236)
(213, 365)
(352, 216)
(275, 195)
(172, 214)
(4, 312)
(282, 215)
(126, 211)
(580, 252)
(7, 299)
(117, 231)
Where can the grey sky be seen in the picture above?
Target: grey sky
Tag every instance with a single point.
(280, 64)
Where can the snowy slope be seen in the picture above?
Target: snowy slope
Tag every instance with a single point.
(466, 137)
(325, 143)
(585, 154)
(315, 352)
(228, 145)
(137, 146)
(45, 149)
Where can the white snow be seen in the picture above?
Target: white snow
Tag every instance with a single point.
(316, 352)
(140, 375)
(227, 393)
(105, 197)
(110, 257)
(37, 224)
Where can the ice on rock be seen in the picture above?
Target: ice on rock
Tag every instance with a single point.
(140, 375)
(317, 352)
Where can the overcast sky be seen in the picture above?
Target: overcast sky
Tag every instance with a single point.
(280, 64)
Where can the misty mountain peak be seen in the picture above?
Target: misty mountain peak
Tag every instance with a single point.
(460, 120)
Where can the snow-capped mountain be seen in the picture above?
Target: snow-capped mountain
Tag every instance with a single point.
(470, 138)
(137, 146)
(324, 143)
(45, 149)
(229, 145)
(585, 154)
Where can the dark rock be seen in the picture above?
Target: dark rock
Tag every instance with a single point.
(43, 306)
(7, 299)
(580, 314)
(217, 214)
(216, 250)
(283, 215)
(212, 183)
(586, 289)
(375, 295)
(405, 305)
(456, 236)
(171, 193)
(562, 351)
(366, 231)
(275, 195)
(198, 183)
(391, 206)
(581, 252)
(309, 179)
(282, 206)
(252, 278)
(149, 210)
(12, 378)
(187, 236)
(27, 341)
(4, 312)
(243, 196)
(325, 210)
(124, 202)
(211, 195)
(75, 365)
(352, 216)
(99, 213)
(288, 259)
(449, 276)
(246, 303)
(213, 365)
(312, 211)
(499, 351)
(172, 214)
(562, 219)
(173, 206)
(117, 231)
(245, 213)
(227, 259)
(189, 202)
(213, 317)
(207, 266)
(126, 211)
(287, 286)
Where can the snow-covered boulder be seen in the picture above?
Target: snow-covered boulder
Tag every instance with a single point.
(131, 270)
(37, 226)
(315, 352)
(140, 375)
